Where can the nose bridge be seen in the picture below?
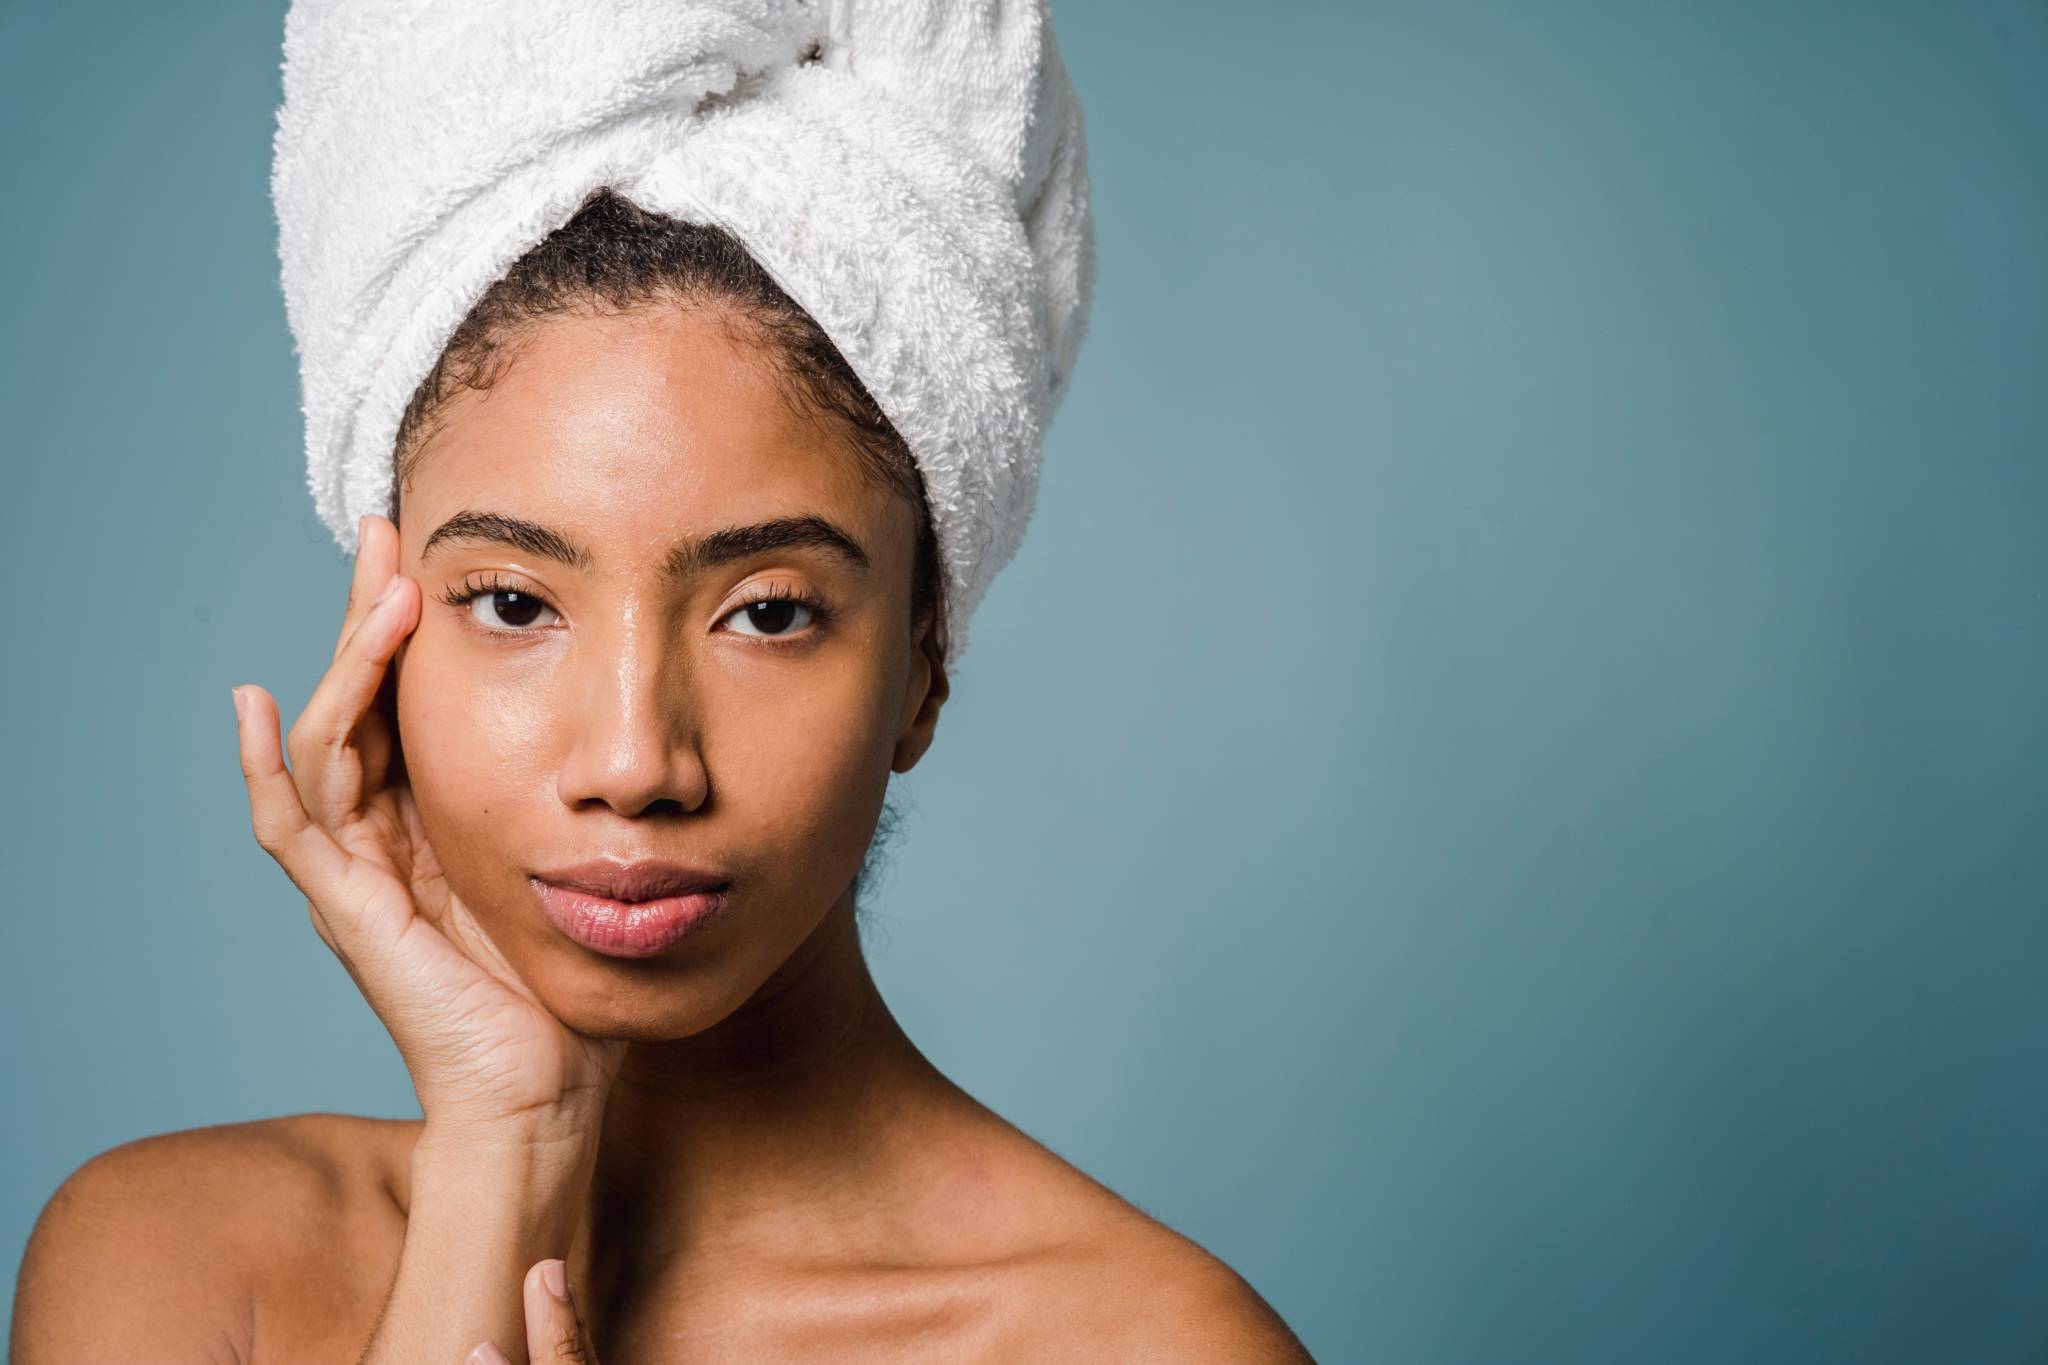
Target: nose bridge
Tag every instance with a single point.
(635, 727)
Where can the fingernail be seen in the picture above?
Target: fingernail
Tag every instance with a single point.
(487, 1354)
(558, 1283)
(389, 588)
(236, 693)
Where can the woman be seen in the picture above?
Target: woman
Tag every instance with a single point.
(659, 605)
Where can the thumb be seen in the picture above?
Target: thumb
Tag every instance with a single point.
(554, 1330)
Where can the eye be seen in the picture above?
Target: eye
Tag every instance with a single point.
(497, 607)
(778, 612)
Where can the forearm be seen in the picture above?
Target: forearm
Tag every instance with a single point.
(485, 1206)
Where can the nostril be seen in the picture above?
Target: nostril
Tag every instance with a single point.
(812, 54)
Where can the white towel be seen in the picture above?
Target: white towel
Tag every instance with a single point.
(912, 172)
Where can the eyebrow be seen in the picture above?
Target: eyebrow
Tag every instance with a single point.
(686, 557)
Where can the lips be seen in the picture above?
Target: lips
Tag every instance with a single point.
(631, 909)
(648, 880)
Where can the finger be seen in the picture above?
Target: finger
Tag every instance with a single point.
(330, 776)
(307, 853)
(554, 1330)
(376, 561)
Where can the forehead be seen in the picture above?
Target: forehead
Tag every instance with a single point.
(638, 424)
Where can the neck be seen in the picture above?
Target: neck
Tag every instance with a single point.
(789, 1125)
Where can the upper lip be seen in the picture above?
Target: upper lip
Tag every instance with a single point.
(642, 881)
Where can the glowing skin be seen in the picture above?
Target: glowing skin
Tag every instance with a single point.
(628, 712)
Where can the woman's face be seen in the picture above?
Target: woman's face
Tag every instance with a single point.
(632, 702)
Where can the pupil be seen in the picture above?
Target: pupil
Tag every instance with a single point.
(524, 607)
(773, 616)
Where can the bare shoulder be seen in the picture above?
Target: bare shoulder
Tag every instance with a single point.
(1162, 1296)
(201, 1228)
(1123, 1284)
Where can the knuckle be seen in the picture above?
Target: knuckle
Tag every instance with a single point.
(275, 831)
(265, 830)
(310, 746)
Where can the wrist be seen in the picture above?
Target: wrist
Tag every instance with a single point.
(559, 1122)
(487, 1200)
(535, 1143)
(528, 1183)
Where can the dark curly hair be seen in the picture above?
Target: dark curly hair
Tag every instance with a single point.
(614, 254)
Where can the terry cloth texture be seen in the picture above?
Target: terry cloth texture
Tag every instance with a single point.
(911, 172)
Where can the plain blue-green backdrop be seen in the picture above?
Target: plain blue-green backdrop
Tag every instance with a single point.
(1504, 791)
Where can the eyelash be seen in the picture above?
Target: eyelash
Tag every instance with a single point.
(821, 615)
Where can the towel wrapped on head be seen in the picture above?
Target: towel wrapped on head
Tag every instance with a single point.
(912, 173)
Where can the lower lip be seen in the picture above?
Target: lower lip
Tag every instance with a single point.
(628, 928)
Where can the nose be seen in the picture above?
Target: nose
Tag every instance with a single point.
(636, 729)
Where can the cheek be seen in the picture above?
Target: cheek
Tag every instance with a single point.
(475, 749)
(802, 770)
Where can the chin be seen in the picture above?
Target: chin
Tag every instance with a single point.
(645, 1000)
(675, 1014)
(640, 1029)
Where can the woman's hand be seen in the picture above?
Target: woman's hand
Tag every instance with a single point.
(342, 823)
(554, 1329)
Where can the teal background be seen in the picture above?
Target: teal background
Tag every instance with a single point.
(1504, 791)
